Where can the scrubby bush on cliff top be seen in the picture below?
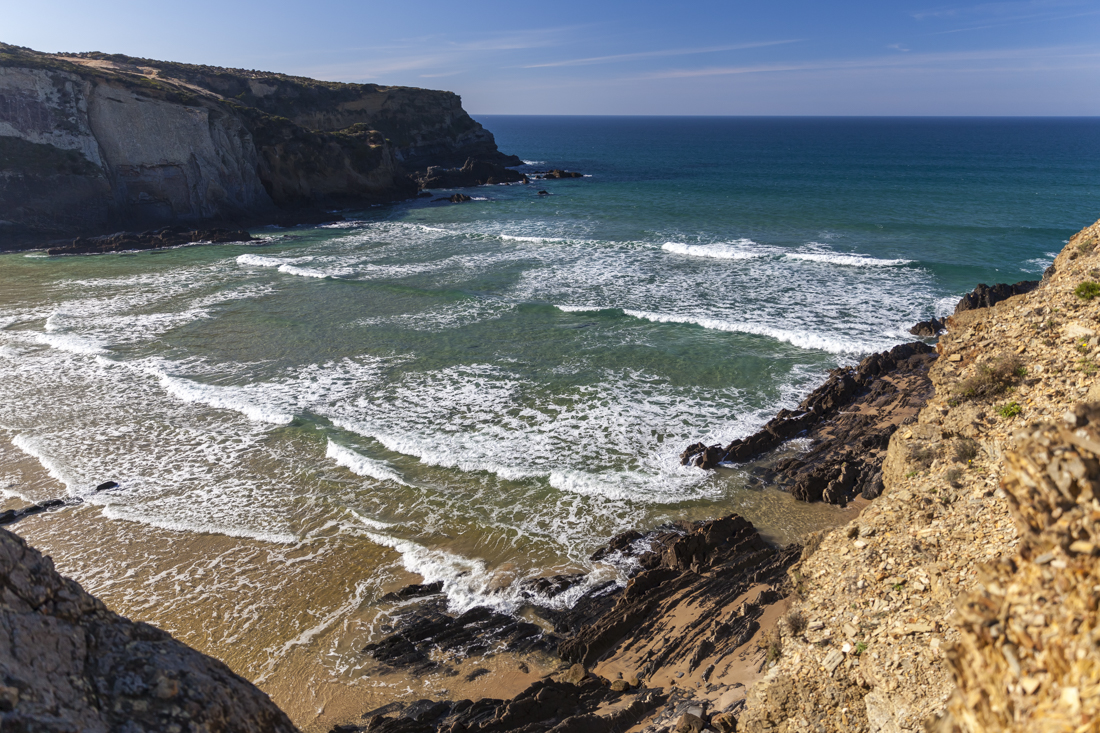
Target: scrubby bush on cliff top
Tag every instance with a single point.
(992, 378)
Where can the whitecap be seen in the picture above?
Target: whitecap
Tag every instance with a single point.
(846, 260)
(801, 339)
(720, 251)
(360, 465)
(226, 398)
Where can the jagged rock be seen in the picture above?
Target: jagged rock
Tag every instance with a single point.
(472, 173)
(558, 173)
(544, 193)
(849, 421)
(11, 516)
(457, 198)
(69, 664)
(985, 296)
(928, 329)
(1026, 657)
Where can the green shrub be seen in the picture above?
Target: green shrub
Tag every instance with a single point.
(1009, 409)
(991, 378)
(796, 622)
(1087, 290)
(966, 450)
(923, 455)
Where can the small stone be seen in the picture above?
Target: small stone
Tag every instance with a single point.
(689, 723)
(1030, 685)
(832, 661)
(575, 674)
(619, 686)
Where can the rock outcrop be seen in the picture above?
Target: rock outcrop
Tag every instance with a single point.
(685, 634)
(69, 664)
(963, 599)
(985, 296)
(94, 143)
(848, 421)
(153, 239)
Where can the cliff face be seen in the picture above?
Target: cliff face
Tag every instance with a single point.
(69, 664)
(92, 143)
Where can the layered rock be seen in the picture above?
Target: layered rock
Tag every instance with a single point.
(685, 632)
(91, 143)
(1026, 659)
(848, 421)
(67, 664)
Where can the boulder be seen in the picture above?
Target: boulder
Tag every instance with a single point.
(985, 296)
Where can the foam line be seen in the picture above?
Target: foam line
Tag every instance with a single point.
(360, 465)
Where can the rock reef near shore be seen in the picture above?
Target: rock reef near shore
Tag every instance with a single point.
(93, 143)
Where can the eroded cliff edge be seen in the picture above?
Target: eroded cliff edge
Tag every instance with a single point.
(94, 143)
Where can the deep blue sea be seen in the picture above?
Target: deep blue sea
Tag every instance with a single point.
(484, 392)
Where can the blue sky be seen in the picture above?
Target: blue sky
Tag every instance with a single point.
(802, 57)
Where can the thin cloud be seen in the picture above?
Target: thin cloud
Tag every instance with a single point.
(655, 54)
(913, 61)
(898, 47)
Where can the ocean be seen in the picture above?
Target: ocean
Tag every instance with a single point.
(486, 392)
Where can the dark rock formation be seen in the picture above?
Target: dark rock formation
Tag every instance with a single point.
(722, 569)
(167, 237)
(985, 296)
(95, 143)
(472, 173)
(928, 329)
(457, 198)
(69, 664)
(429, 627)
(11, 516)
(849, 421)
(544, 193)
(557, 173)
(562, 706)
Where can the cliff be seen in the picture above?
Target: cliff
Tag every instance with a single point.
(92, 143)
(69, 664)
(965, 597)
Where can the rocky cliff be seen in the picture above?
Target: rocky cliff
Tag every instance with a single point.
(69, 664)
(91, 143)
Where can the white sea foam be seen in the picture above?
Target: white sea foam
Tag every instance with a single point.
(360, 465)
(534, 162)
(225, 398)
(72, 343)
(801, 339)
(537, 240)
(33, 448)
(721, 251)
(266, 261)
(846, 260)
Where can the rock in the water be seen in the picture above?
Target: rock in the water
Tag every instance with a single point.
(457, 198)
(472, 173)
(985, 296)
(849, 421)
(544, 193)
(558, 173)
(928, 329)
(70, 664)
(107, 485)
(172, 236)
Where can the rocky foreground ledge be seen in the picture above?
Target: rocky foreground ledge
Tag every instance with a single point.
(69, 664)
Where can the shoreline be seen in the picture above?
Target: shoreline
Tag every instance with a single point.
(722, 626)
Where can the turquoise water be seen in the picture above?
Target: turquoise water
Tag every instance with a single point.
(508, 382)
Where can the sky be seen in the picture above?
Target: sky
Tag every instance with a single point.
(783, 57)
